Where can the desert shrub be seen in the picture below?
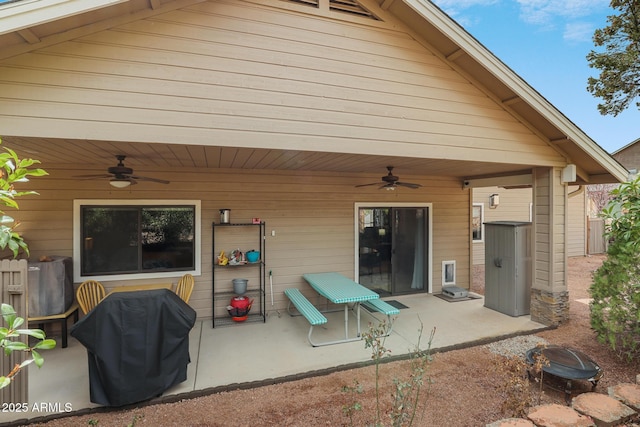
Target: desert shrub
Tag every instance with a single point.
(615, 309)
(523, 386)
(408, 394)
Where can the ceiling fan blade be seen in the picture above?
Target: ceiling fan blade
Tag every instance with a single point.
(409, 184)
(102, 176)
(367, 185)
(146, 178)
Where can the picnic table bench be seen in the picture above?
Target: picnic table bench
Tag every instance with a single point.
(384, 308)
(306, 309)
(337, 289)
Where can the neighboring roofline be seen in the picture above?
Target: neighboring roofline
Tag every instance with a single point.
(635, 141)
(428, 11)
(27, 13)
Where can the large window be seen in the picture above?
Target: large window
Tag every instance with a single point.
(149, 239)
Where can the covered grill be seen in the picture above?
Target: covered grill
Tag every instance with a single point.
(137, 345)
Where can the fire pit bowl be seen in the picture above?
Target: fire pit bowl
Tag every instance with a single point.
(565, 363)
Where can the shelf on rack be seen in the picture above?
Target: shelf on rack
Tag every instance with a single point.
(233, 294)
(246, 264)
(225, 291)
(251, 318)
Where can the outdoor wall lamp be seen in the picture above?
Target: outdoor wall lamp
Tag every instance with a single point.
(494, 200)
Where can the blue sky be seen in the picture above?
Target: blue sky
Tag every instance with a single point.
(546, 42)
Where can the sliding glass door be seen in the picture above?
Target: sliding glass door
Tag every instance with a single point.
(374, 249)
(393, 249)
(408, 258)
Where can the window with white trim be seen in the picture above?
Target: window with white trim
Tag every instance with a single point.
(477, 222)
(134, 239)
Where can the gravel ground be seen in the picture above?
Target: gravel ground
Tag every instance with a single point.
(466, 387)
(516, 346)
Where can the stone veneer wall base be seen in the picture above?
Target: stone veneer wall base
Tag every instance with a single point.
(549, 308)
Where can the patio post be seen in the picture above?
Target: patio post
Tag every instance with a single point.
(549, 294)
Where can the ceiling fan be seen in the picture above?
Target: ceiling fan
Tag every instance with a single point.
(120, 176)
(390, 182)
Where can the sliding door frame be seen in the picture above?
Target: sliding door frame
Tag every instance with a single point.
(372, 205)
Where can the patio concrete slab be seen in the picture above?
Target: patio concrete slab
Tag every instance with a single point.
(254, 352)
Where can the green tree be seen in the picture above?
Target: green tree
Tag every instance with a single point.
(615, 310)
(13, 170)
(619, 63)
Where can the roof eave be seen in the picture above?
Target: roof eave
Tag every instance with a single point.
(25, 14)
(502, 73)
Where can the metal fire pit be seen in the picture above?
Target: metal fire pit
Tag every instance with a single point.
(566, 364)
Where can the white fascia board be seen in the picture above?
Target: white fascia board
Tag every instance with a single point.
(27, 13)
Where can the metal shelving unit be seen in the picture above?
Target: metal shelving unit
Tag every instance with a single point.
(254, 270)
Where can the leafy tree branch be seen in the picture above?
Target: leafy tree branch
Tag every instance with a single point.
(14, 170)
(618, 84)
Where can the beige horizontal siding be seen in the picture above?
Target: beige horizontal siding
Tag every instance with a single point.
(543, 234)
(312, 215)
(577, 223)
(250, 75)
(514, 206)
(550, 230)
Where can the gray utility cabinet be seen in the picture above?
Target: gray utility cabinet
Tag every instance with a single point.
(507, 267)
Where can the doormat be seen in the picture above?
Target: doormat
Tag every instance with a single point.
(393, 303)
(471, 296)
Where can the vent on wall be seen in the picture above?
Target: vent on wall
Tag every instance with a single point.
(351, 7)
(312, 3)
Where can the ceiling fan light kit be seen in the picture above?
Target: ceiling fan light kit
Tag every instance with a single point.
(120, 176)
(119, 183)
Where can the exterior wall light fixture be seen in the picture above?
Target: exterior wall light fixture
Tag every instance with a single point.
(494, 200)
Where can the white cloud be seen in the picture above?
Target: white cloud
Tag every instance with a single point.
(569, 16)
(454, 8)
(545, 12)
(463, 4)
(578, 32)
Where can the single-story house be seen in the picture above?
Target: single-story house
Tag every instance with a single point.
(279, 111)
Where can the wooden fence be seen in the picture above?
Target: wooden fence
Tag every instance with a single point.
(597, 244)
(13, 288)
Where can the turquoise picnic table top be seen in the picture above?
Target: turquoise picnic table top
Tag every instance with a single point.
(339, 289)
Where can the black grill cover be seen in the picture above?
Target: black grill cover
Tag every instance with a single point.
(137, 344)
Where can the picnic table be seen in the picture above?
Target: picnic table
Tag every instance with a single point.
(340, 290)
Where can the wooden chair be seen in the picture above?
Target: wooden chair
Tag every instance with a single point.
(89, 294)
(184, 288)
